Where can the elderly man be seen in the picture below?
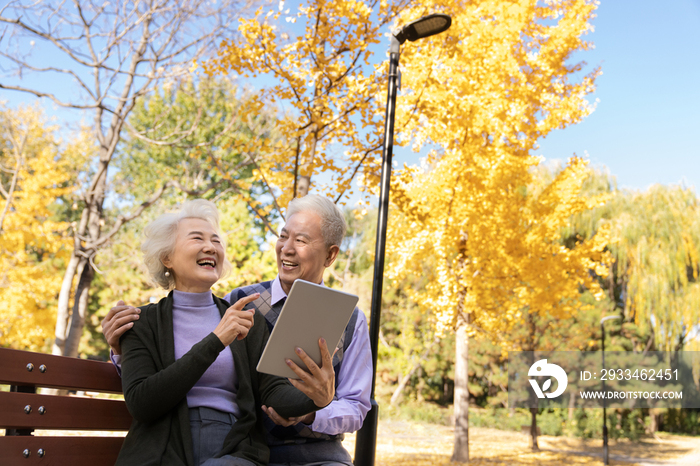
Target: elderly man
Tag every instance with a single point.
(308, 243)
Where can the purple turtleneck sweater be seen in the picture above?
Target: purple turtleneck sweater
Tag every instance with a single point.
(194, 317)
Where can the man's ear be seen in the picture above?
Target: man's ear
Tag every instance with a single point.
(331, 255)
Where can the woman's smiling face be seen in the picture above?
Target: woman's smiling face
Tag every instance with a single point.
(197, 258)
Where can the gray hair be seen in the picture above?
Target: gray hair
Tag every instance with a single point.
(333, 225)
(161, 233)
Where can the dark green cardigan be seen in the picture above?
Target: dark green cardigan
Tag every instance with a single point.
(156, 385)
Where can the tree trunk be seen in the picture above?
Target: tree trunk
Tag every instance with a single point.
(398, 393)
(461, 401)
(303, 185)
(303, 181)
(63, 316)
(13, 184)
(655, 421)
(303, 172)
(533, 430)
(82, 295)
(572, 405)
(396, 396)
(69, 327)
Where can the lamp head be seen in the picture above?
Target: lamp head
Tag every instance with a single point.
(424, 27)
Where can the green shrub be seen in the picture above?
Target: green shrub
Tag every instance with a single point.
(499, 418)
(681, 421)
(586, 423)
(552, 422)
(622, 423)
(412, 410)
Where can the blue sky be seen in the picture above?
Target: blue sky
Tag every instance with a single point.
(646, 127)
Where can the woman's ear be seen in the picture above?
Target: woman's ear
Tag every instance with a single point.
(166, 262)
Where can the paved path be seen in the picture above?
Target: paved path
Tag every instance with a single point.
(691, 459)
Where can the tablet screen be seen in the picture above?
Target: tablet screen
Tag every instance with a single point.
(311, 311)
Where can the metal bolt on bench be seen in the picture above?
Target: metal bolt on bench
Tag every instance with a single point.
(20, 418)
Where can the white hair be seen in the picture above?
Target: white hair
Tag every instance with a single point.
(160, 239)
(333, 225)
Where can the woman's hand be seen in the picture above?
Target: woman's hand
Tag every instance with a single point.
(236, 322)
(319, 385)
(118, 320)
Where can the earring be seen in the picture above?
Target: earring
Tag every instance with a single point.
(167, 273)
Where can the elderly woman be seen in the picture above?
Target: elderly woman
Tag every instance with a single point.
(188, 364)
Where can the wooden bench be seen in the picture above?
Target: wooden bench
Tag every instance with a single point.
(22, 411)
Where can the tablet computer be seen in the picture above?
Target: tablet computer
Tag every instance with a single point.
(311, 311)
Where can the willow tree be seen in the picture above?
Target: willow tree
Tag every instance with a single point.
(657, 260)
(485, 92)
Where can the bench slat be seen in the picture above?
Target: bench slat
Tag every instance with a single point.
(60, 451)
(61, 372)
(62, 412)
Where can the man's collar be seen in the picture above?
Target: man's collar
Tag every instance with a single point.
(276, 291)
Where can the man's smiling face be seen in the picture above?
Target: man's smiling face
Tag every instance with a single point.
(301, 250)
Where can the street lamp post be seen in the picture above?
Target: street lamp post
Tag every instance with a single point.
(605, 421)
(365, 443)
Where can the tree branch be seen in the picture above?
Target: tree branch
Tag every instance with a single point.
(50, 96)
(23, 64)
(49, 38)
(10, 193)
(269, 188)
(357, 168)
(181, 135)
(121, 220)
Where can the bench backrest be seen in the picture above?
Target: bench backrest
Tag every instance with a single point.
(22, 410)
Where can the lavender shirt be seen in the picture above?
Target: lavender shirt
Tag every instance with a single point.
(194, 317)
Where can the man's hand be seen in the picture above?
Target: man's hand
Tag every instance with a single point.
(286, 422)
(118, 320)
(236, 322)
(319, 385)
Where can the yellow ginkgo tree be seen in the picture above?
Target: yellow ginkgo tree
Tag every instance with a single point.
(484, 92)
(33, 246)
(317, 63)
